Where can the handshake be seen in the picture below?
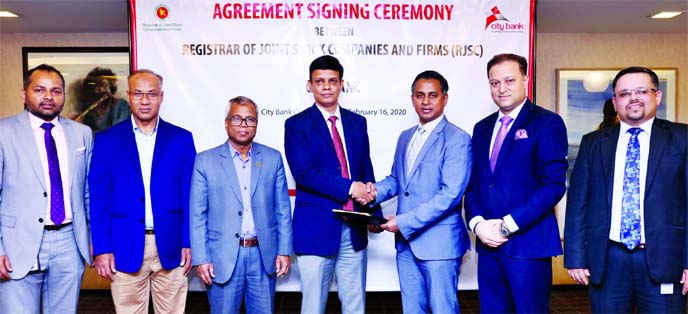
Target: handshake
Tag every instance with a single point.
(363, 193)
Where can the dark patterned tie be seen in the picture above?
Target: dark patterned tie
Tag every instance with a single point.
(339, 149)
(57, 210)
(630, 204)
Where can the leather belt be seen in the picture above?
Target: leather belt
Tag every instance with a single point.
(56, 227)
(248, 242)
(150, 231)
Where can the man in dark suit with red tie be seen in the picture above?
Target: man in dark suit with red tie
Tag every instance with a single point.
(519, 175)
(328, 153)
(626, 222)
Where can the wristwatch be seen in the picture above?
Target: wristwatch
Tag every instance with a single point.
(504, 230)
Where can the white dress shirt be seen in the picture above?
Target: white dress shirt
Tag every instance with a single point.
(145, 144)
(340, 130)
(63, 156)
(619, 169)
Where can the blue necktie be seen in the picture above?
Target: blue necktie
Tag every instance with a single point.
(57, 210)
(630, 204)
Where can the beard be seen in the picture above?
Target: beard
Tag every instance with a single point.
(45, 115)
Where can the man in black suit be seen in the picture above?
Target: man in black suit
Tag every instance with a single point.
(626, 220)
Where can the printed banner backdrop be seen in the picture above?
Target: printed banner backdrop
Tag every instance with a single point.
(211, 51)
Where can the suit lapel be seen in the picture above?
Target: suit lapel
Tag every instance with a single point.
(256, 166)
(349, 140)
(321, 127)
(404, 142)
(227, 162)
(25, 135)
(129, 145)
(483, 142)
(71, 142)
(608, 142)
(520, 123)
(432, 138)
(658, 143)
(161, 141)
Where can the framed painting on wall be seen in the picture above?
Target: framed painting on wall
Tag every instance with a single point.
(95, 81)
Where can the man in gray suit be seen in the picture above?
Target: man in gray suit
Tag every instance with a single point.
(432, 164)
(240, 216)
(43, 201)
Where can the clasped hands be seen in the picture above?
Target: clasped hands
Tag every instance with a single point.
(363, 193)
(489, 233)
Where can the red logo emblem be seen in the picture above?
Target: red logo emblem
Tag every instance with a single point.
(162, 12)
(496, 16)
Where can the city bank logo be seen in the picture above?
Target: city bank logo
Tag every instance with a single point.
(162, 12)
(498, 23)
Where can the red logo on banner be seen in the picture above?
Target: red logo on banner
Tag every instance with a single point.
(162, 12)
(496, 16)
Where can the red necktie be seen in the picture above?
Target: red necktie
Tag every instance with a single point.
(339, 149)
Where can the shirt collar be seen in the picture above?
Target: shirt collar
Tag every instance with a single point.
(36, 122)
(327, 115)
(236, 154)
(513, 114)
(646, 126)
(430, 126)
(136, 128)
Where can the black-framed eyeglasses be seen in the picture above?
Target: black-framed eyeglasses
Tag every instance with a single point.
(237, 120)
(150, 95)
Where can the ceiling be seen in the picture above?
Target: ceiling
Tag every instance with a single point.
(553, 16)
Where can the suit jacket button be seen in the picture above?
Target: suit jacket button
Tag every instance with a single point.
(143, 221)
(406, 193)
(143, 199)
(45, 194)
(236, 235)
(40, 220)
(240, 213)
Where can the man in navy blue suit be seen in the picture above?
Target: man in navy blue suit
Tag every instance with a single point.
(626, 222)
(519, 175)
(328, 151)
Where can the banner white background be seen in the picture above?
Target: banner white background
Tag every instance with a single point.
(207, 57)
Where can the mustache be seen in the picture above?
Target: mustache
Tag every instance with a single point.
(636, 102)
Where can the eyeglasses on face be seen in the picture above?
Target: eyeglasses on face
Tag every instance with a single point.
(150, 95)
(640, 92)
(237, 120)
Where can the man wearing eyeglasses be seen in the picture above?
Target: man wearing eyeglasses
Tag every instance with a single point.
(626, 224)
(240, 216)
(139, 182)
